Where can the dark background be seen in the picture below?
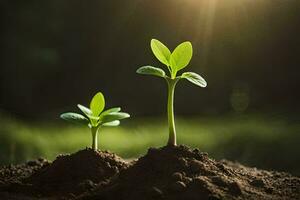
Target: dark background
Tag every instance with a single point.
(58, 53)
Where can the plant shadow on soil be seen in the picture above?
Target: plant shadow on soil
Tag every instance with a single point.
(171, 172)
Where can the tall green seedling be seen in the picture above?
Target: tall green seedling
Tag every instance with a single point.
(174, 61)
(95, 117)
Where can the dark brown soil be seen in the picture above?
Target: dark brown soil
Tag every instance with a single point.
(165, 173)
(180, 173)
(11, 178)
(16, 173)
(77, 172)
(69, 175)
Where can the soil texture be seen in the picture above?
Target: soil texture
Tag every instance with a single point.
(16, 173)
(69, 175)
(171, 172)
(180, 173)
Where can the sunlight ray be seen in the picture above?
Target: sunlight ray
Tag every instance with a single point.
(208, 30)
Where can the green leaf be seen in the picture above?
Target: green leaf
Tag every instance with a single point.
(149, 70)
(161, 52)
(97, 104)
(181, 56)
(74, 117)
(94, 118)
(111, 110)
(113, 123)
(85, 110)
(194, 78)
(114, 116)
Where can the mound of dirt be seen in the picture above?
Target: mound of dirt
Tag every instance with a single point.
(77, 172)
(70, 175)
(15, 173)
(179, 173)
(11, 178)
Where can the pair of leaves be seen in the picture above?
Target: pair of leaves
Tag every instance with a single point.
(176, 60)
(190, 76)
(112, 119)
(95, 116)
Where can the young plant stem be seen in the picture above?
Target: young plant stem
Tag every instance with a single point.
(94, 138)
(171, 120)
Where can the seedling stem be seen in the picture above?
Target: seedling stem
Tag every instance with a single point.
(171, 121)
(94, 138)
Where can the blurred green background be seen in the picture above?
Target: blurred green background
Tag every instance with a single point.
(58, 53)
(263, 141)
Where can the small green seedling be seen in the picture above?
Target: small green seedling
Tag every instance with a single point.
(174, 61)
(95, 116)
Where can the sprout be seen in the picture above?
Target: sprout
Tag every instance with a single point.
(95, 116)
(174, 61)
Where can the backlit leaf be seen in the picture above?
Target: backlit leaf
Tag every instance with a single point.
(112, 123)
(114, 116)
(194, 78)
(181, 56)
(111, 110)
(74, 117)
(97, 104)
(84, 109)
(149, 70)
(161, 52)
